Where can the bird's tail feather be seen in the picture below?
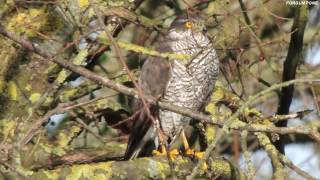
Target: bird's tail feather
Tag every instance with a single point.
(142, 138)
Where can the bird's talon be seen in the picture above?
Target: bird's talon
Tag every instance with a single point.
(190, 152)
(193, 153)
(172, 154)
(158, 153)
(199, 155)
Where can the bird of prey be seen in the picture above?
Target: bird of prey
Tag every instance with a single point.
(186, 85)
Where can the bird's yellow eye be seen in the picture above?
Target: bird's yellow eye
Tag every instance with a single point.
(188, 24)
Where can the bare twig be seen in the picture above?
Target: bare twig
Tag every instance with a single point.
(128, 119)
(85, 126)
(299, 114)
(251, 30)
(245, 13)
(295, 168)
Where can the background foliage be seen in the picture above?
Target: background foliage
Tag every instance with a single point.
(78, 118)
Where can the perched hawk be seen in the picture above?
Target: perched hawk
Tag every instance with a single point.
(183, 84)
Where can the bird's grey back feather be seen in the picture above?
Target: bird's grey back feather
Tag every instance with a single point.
(153, 80)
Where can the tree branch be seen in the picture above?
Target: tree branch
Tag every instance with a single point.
(141, 168)
(294, 57)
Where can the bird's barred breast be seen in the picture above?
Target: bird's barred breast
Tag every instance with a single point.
(189, 85)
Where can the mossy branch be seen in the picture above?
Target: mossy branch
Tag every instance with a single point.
(146, 51)
(141, 168)
(279, 160)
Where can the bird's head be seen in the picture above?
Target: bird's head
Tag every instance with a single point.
(188, 32)
(188, 23)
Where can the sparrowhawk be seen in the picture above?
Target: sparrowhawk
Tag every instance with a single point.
(187, 85)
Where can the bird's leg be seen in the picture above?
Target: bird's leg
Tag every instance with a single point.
(191, 152)
(163, 152)
(185, 141)
(187, 148)
(163, 148)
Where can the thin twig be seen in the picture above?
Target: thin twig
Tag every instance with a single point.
(245, 13)
(87, 128)
(295, 168)
(251, 30)
(299, 114)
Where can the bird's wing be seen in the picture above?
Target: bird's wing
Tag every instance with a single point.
(153, 81)
(154, 76)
